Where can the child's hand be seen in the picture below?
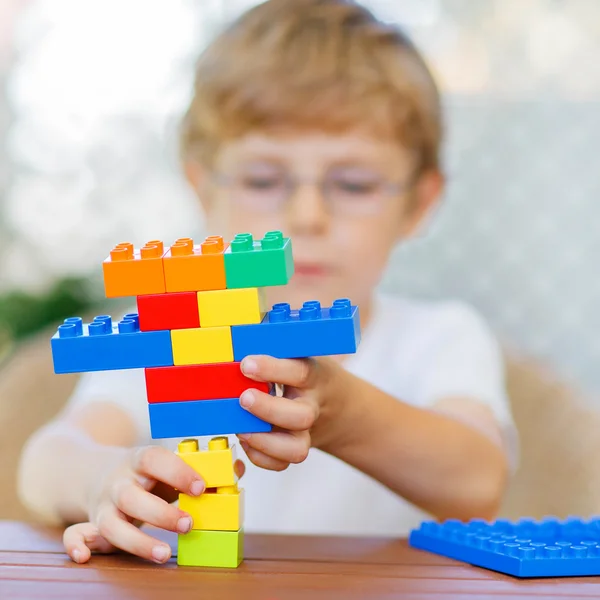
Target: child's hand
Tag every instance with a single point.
(310, 389)
(138, 488)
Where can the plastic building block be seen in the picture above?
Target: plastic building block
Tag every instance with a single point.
(221, 508)
(310, 331)
(130, 272)
(198, 382)
(202, 417)
(202, 346)
(200, 548)
(104, 346)
(526, 548)
(215, 464)
(250, 263)
(190, 268)
(232, 307)
(168, 311)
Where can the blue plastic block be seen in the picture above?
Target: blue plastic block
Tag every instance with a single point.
(202, 417)
(526, 548)
(104, 346)
(310, 331)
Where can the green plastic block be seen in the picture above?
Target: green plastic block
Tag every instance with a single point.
(250, 263)
(203, 548)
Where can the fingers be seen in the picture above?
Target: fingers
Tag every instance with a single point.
(113, 527)
(82, 539)
(279, 411)
(263, 460)
(283, 446)
(300, 373)
(132, 500)
(161, 464)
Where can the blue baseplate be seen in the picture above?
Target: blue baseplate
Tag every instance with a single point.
(526, 548)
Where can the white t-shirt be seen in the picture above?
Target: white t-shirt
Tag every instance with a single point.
(419, 352)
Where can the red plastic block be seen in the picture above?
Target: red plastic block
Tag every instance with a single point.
(131, 272)
(168, 311)
(198, 382)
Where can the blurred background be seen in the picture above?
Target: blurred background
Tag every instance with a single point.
(91, 94)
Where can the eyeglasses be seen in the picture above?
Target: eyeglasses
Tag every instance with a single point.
(346, 190)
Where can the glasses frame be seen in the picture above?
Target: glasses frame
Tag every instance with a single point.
(292, 184)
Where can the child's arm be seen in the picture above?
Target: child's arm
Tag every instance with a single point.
(81, 467)
(450, 466)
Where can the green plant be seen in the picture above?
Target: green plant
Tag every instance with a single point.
(23, 314)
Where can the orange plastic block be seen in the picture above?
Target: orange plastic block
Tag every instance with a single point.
(192, 268)
(130, 272)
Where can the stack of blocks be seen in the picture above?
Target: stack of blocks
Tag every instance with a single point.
(201, 310)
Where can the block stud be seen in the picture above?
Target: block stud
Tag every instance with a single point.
(273, 240)
(182, 247)
(282, 306)
(106, 320)
(309, 313)
(213, 245)
(127, 326)
(77, 322)
(312, 304)
(97, 328)
(187, 446)
(133, 317)
(242, 242)
(68, 330)
(342, 307)
(158, 243)
(218, 443)
(122, 251)
(279, 315)
(152, 250)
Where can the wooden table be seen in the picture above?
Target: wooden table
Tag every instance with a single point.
(33, 565)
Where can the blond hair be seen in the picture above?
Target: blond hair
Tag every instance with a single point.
(313, 64)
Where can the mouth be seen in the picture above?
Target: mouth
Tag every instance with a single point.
(311, 269)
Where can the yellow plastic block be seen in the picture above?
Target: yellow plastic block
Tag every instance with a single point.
(232, 307)
(201, 346)
(215, 465)
(210, 548)
(221, 509)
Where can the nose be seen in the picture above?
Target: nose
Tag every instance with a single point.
(306, 212)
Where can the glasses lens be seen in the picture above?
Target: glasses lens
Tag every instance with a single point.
(355, 190)
(259, 187)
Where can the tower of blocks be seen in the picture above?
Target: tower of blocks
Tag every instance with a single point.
(200, 310)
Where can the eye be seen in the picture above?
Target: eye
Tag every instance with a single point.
(356, 187)
(262, 182)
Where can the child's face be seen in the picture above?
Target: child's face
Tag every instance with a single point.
(344, 200)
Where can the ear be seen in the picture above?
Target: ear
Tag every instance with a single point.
(197, 176)
(423, 201)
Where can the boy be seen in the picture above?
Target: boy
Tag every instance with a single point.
(312, 117)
